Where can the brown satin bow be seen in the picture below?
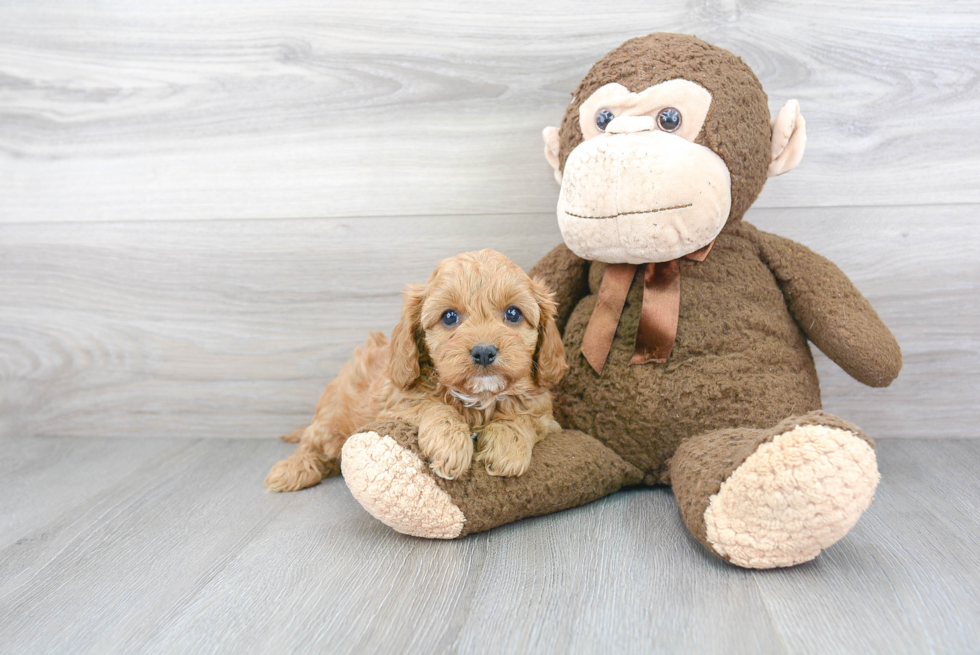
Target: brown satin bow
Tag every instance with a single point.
(658, 315)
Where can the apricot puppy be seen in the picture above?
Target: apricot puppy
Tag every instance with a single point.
(474, 355)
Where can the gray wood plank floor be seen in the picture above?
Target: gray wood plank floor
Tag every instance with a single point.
(171, 546)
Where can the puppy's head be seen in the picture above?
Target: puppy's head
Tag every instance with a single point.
(483, 325)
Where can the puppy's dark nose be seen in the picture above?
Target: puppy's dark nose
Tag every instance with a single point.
(483, 354)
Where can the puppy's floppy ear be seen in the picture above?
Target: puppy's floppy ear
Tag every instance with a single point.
(549, 356)
(403, 366)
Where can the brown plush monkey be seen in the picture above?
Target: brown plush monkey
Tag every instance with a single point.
(686, 329)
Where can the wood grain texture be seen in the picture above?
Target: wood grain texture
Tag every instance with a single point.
(186, 553)
(220, 328)
(42, 478)
(300, 109)
(233, 328)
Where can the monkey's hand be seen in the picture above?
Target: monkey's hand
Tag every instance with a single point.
(832, 312)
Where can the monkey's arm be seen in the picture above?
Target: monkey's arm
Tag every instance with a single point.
(832, 312)
(567, 275)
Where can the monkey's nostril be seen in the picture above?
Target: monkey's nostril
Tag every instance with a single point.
(483, 354)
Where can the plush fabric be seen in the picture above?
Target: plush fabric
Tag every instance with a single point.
(739, 360)
(732, 419)
(567, 470)
(793, 497)
(788, 139)
(703, 464)
(836, 317)
(691, 99)
(643, 222)
(737, 138)
(396, 486)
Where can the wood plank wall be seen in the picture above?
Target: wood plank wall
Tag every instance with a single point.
(204, 206)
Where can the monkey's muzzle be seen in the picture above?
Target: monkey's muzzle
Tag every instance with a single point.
(642, 197)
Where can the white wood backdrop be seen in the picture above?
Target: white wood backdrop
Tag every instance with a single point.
(204, 206)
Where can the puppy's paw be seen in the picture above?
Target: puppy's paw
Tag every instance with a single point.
(504, 450)
(293, 473)
(448, 446)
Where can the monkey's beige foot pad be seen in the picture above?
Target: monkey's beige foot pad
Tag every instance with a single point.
(796, 495)
(395, 486)
(390, 478)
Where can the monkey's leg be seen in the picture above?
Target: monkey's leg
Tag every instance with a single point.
(769, 498)
(387, 474)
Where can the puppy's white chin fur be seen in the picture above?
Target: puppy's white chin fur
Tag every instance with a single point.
(484, 391)
(481, 384)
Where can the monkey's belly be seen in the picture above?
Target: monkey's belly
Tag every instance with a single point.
(731, 367)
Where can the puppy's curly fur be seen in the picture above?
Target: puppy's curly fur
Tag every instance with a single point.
(429, 375)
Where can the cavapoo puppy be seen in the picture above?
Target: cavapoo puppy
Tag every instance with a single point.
(474, 354)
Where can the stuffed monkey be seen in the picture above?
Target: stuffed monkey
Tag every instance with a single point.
(686, 329)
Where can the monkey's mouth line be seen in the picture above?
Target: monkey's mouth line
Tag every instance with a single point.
(643, 211)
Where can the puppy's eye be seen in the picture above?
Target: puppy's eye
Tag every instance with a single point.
(450, 317)
(602, 118)
(513, 315)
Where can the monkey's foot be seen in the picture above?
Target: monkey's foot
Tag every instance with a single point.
(388, 475)
(800, 490)
(396, 487)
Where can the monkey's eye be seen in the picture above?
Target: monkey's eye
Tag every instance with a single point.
(603, 118)
(513, 315)
(450, 317)
(669, 119)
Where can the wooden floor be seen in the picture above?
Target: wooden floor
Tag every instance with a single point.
(157, 545)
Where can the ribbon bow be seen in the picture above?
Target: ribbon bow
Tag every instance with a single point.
(658, 314)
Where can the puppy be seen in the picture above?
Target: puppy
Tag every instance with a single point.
(475, 353)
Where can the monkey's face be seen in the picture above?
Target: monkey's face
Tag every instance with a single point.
(638, 188)
(655, 174)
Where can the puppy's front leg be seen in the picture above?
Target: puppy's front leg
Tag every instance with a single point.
(445, 439)
(505, 445)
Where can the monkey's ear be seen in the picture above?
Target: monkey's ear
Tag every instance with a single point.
(551, 147)
(403, 366)
(788, 139)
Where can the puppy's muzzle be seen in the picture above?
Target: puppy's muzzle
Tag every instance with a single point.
(483, 354)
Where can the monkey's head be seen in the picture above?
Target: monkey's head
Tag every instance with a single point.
(666, 140)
